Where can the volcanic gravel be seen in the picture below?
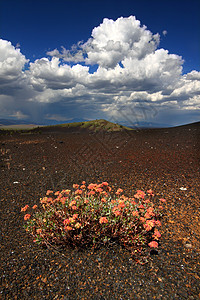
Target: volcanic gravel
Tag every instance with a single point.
(164, 160)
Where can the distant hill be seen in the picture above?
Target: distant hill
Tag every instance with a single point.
(95, 125)
(78, 124)
(6, 122)
(11, 122)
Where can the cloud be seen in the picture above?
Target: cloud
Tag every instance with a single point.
(51, 74)
(11, 64)
(194, 75)
(134, 79)
(19, 115)
(75, 54)
(164, 32)
(113, 41)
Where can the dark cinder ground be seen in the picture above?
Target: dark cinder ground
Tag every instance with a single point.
(165, 160)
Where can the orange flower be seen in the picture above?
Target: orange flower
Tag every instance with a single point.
(63, 200)
(99, 185)
(147, 215)
(99, 190)
(153, 244)
(78, 192)
(146, 201)
(157, 234)
(150, 210)
(139, 194)
(38, 231)
(103, 220)
(34, 206)
(133, 202)
(68, 228)
(121, 204)
(135, 213)
(105, 183)
(158, 223)
(72, 220)
(103, 200)
(49, 192)
(86, 201)
(83, 182)
(74, 207)
(25, 208)
(114, 208)
(117, 213)
(91, 193)
(149, 225)
(72, 203)
(119, 191)
(91, 186)
(67, 192)
(150, 192)
(75, 186)
(104, 193)
(66, 222)
(142, 219)
(141, 206)
(162, 200)
(75, 216)
(43, 200)
(27, 216)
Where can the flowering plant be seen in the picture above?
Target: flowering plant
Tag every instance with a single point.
(95, 215)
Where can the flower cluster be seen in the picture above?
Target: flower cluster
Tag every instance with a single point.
(93, 215)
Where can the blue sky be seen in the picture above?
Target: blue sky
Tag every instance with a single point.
(95, 59)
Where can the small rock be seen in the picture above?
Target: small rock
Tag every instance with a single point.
(188, 245)
(183, 189)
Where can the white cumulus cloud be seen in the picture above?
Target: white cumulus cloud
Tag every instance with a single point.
(113, 41)
(45, 73)
(134, 78)
(11, 63)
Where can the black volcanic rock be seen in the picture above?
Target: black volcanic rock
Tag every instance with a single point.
(164, 160)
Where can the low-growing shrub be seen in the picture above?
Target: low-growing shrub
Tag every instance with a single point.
(94, 215)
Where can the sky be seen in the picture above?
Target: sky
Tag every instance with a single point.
(124, 61)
